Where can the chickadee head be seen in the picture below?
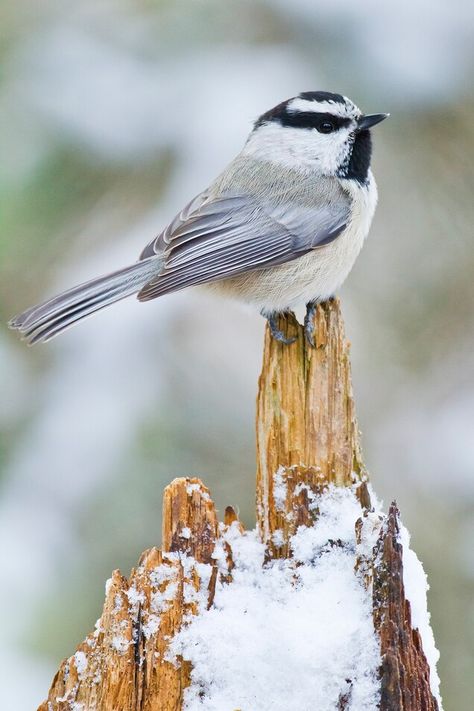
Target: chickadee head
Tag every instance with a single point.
(323, 132)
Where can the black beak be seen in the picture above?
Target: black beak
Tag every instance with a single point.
(366, 122)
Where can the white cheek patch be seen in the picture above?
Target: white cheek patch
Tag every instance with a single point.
(299, 147)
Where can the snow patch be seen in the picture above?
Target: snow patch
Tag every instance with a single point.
(160, 601)
(339, 509)
(80, 660)
(190, 488)
(161, 574)
(151, 626)
(312, 497)
(108, 585)
(220, 554)
(416, 588)
(296, 633)
(280, 489)
(298, 630)
(278, 538)
(135, 598)
(120, 644)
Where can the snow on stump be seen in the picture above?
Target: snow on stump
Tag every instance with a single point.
(322, 606)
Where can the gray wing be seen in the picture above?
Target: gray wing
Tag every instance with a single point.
(215, 238)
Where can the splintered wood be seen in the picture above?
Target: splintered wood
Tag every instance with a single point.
(307, 440)
(305, 408)
(307, 433)
(123, 664)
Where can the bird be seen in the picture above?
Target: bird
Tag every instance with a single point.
(280, 227)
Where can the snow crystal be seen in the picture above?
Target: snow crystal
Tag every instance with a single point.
(416, 588)
(204, 571)
(279, 489)
(185, 533)
(120, 644)
(98, 627)
(80, 660)
(298, 630)
(151, 626)
(161, 574)
(190, 488)
(160, 601)
(135, 597)
(338, 511)
(278, 538)
(190, 594)
(370, 531)
(312, 497)
(220, 554)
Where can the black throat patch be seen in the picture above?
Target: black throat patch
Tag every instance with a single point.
(358, 165)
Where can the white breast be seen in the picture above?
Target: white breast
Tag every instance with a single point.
(317, 275)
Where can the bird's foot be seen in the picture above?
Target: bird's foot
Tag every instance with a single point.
(309, 323)
(277, 334)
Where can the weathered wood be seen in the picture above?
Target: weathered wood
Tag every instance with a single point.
(123, 664)
(307, 434)
(307, 441)
(405, 674)
(187, 508)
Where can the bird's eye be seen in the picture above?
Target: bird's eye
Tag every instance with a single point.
(326, 127)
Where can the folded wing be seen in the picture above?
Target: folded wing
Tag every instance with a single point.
(215, 238)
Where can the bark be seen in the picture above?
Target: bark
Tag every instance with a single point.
(405, 674)
(307, 439)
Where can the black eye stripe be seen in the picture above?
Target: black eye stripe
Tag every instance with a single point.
(300, 119)
(313, 119)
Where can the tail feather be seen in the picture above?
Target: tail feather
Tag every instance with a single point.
(45, 321)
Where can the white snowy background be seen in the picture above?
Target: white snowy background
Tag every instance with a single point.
(113, 114)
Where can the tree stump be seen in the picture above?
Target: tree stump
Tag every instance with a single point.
(309, 459)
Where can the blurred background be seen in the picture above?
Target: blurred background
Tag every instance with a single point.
(114, 113)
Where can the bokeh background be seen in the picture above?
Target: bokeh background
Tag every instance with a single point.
(114, 113)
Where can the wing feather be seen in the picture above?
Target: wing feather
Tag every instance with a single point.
(217, 237)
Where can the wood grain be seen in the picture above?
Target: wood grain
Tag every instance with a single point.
(127, 665)
(306, 424)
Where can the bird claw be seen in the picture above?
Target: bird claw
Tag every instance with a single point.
(277, 334)
(309, 324)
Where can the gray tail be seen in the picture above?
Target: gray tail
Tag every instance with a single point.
(47, 320)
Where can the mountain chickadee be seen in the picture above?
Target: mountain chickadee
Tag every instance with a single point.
(281, 226)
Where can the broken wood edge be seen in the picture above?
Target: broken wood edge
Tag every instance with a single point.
(124, 663)
(187, 507)
(405, 672)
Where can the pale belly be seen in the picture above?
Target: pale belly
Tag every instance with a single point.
(314, 277)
